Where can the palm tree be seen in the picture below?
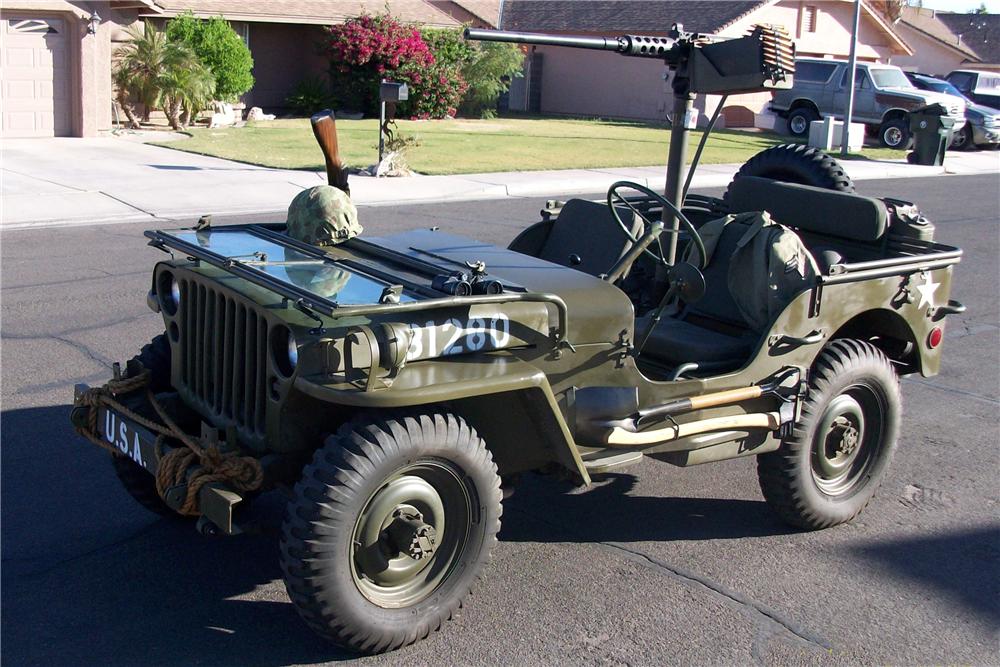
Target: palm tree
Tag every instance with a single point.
(185, 91)
(123, 95)
(149, 65)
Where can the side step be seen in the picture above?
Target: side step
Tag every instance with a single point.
(606, 462)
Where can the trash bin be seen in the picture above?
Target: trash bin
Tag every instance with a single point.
(931, 130)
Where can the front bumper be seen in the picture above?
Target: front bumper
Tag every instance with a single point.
(134, 441)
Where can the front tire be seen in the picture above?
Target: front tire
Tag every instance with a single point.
(389, 528)
(136, 480)
(799, 120)
(963, 139)
(828, 470)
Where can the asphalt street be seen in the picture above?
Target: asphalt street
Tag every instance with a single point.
(655, 565)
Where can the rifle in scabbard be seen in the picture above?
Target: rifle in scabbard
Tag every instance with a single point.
(324, 125)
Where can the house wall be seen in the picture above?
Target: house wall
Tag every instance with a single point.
(929, 55)
(283, 55)
(89, 56)
(593, 83)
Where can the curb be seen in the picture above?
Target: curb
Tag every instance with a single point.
(502, 185)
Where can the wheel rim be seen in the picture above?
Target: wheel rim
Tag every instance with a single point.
(412, 533)
(848, 441)
(961, 139)
(798, 124)
(893, 136)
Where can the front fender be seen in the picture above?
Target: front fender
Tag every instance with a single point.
(466, 380)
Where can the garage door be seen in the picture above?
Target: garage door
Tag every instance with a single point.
(34, 78)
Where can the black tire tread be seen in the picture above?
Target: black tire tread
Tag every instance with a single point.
(141, 485)
(155, 357)
(811, 166)
(138, 482)
(778, 472)
(322, 499)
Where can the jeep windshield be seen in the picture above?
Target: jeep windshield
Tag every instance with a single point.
(305, 269)
(889, 77)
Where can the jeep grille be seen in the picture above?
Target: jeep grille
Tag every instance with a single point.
(223, 345)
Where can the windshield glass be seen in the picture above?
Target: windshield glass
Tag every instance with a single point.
(890, 78)
(322, 277)
(943, 87)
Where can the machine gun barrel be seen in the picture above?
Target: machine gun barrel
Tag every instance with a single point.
(629, 45)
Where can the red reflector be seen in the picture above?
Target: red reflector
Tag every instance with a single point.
(935, 337)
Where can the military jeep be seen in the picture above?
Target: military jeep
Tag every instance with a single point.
(396, 386)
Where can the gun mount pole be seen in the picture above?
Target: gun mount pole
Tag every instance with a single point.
(677, 156)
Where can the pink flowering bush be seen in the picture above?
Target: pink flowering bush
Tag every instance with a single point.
(368, 48)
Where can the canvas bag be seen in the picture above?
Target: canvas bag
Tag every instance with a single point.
(769, 266)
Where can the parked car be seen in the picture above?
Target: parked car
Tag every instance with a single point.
(980, 87)
(982, 127)
(883, 97)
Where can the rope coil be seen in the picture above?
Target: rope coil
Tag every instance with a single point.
(195, 463)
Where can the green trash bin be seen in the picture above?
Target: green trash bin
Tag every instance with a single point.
(931, 129)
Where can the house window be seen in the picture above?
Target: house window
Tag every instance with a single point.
(809, 18)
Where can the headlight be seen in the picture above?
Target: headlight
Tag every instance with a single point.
(284, 350)
(168, 291)
(293, 350)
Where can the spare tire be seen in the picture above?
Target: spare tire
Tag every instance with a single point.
(796, 163)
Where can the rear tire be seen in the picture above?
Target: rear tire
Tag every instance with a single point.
(828, 470)
(895, 133)
(351, 552)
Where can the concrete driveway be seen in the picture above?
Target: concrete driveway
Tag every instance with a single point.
(110, 179)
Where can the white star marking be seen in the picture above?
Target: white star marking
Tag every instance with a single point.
(927, 291)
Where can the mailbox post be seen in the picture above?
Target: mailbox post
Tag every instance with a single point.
(390, 93)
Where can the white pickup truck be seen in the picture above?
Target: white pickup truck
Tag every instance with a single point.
(882, 98)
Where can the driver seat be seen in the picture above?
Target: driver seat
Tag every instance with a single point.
(584, 236)
(711, 331)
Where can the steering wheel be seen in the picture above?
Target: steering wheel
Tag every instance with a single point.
(615, 198)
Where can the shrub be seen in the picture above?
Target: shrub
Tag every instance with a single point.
(309, 95)
(486, 67)
(220, 49)
(368, 48)
(488, 76)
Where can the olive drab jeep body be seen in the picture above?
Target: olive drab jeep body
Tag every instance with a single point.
(393, 383)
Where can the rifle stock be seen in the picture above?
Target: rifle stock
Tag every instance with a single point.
(324, 127)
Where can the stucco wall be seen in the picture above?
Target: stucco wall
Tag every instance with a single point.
(930, 56)
(595, 83)
(89, 56)
(283, 54)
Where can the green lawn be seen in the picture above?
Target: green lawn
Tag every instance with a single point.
(464, 146)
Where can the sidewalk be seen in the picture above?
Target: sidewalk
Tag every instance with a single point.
(56, 182)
